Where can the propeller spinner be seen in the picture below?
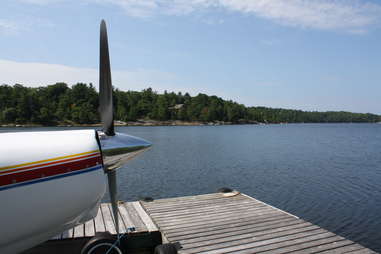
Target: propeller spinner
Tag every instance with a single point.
(117, 148)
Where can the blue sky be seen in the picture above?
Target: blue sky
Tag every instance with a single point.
(302, 54)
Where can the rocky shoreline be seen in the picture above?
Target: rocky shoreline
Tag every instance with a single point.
(143, 122)
(140, 122)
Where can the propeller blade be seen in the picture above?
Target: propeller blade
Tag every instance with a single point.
(111, 175)
(107, 113)
(105, 86)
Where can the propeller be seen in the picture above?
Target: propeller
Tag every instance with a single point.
(105, 86)
(107, 113)
(117, 148)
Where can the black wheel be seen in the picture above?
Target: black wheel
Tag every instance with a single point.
(101, 243)
(167, 248)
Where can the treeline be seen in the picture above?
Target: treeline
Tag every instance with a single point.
(59, 103)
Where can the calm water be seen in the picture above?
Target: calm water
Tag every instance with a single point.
(328, 174)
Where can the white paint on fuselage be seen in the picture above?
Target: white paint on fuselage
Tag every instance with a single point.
(36, 212)
(24, 147)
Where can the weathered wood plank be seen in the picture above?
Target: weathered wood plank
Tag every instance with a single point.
(90, 228)
(224, 201)
(151, 226)
(156, 203)
(137, 221)
(109, 224)
(210, 211)
(362, 251)
(261, 245)
(217, 221)
(189, 198)
(343, 249)
(200, 215)
(79, 231)
(128, 222)
(256, 200)
(328, 243)
(122, 220)
(195, 200)
(207, 217)
(206, 208)
(253, 237)
(122, 227)
(232, 227)
(331, 247)
(220, 223)
(231, 223)
(235, 234)
(99, 222)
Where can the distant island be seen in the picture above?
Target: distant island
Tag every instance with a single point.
(62, 105)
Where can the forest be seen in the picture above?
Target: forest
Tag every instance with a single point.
(61, 104)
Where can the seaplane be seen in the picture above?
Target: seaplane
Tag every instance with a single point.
(51, 181)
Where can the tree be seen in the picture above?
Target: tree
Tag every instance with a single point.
(162, 108)
(9, 115)
(79, 104)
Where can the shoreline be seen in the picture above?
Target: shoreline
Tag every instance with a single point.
(136, 123)
(163, 123)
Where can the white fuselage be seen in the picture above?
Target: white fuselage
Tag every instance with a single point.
(49, 182)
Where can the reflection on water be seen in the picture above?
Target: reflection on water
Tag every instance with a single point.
(328, 174)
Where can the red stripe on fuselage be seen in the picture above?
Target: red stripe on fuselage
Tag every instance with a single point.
(49, 171)
(49, 163)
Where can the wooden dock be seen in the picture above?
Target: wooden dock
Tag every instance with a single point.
(132, 219)
(134, 222)
(212, 223)
(236, 223)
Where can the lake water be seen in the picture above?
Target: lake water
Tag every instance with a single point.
(328, 174)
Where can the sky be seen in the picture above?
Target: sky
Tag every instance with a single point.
(300, 54)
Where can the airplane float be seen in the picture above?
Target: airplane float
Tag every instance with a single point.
(51, 181)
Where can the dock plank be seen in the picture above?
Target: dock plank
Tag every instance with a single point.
(109, 224)
(218, 221)
(194, 201)
(362, 251)
(151, 226)
(138, 221)
(251, 241)
(277, 244)
(250, 232)
(344, 249)
(207, 217)
(230, 229)
(211, 211)
(329, 246)
(90, 228)
(99, 222)
(208, 209)
(126, 217)
(122, 227)
(189, 198)
(79, 231)
(231, 224)
(205, 204)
